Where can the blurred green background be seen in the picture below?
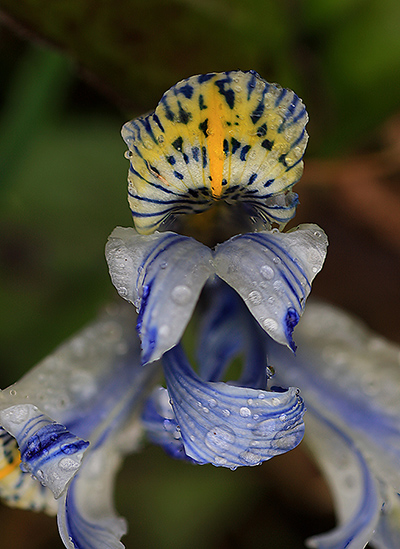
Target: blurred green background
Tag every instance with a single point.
(72, 72)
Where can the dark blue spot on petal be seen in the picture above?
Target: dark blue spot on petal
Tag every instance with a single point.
(177, 144)
(178, 175)
(204, 155)
(244, 152)
(235, 145)
(267, 144)
(171, 160)
(195, 153)
(203, 126)
(252, 178)
(186, 90)
(205, 77)
(262, 130)
(291, 320)
(202, 105)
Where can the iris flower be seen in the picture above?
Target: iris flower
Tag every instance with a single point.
(210, 189)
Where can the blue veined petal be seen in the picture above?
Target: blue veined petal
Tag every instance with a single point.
(19, 489)
(230, 136)
(160, 424)
(387, 533)
(86, 517)
(272, 272)
(228, 329)
(355, 489)
(353, 375)
(48, 450)
(163, 275)
(227, 425)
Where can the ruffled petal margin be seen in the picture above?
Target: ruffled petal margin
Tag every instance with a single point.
(227, 425)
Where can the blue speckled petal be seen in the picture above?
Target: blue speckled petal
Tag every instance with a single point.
(272, 272)
(228, 329)
(48, 450)
(163, 275)
(354, 487)
(227, 425)
(160, 424)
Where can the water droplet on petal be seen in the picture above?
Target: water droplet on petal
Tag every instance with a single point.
(68, 464)
(181, 295)
(212, 403)
(255, 297)
(220, 438)
(270, 325)
(250, 457)
(267, 272)
(244, 411)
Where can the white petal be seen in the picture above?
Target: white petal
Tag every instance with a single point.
(353, 376)
(355, 489)
(86, 517)
(272, 272)
(163, 275)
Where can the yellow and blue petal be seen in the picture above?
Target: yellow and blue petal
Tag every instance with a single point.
(220, 136)
(19, 489)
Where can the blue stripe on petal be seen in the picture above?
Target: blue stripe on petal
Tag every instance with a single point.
(227, 425)
(161, 426)
(48, 450)
(354, 487)
(86, 519)
(163, 275)
(272, 272)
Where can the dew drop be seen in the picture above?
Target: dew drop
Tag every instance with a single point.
(226, 412)
(267, 272)
(160, 138)
(250, 457)
(279, 287)
(212, 403)
(69, 448)
(68, 464)
(181, 295)
(220, 438)
(244, 411)
(13, 392)
(255, 297)
(270, 325)
(276, 260)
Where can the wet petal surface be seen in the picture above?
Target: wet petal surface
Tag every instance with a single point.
(272, 272)
(228, 425)
(163, 275)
